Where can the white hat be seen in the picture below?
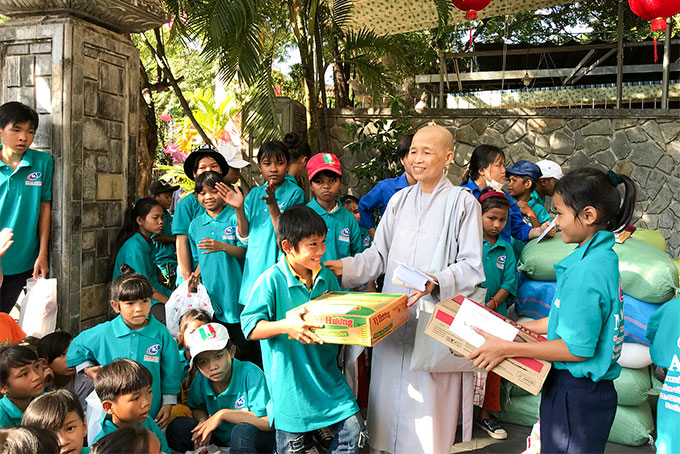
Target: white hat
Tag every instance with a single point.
(233, 155)
(550, 169)
(207, 338)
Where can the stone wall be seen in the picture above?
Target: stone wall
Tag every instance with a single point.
(644, 144)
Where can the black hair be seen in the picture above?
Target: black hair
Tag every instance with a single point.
(326, 173)
(592, 187)
(12, 357)
(273, 149)
(297, 147)
(207, 180)
(121, 376)
(139, 209)
(188, 316)
(525, 178)
(53, 345)
(494, 202)
(28, 440)
(404, 145)
(482, 157)
(297, 223)
(49, 411)
(132, 439)
(14, 112)
(130, 286)
(347, 199)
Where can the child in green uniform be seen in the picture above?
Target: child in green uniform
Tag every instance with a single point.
(203, 159)
(21, 380)
(351, 204)
(308, 390)
(59, 412)
(257, 214)
(136, 335)
(124, 387)
(25, 201)
(134, 248)
(500, 269)
(344, 237)
(585, 324)
(164, 242)
(129, 439)
(664, 338)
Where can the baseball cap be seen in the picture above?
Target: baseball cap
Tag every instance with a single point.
(323, 161)
(233, 156)
(550, 169)
(525, 168)
(160, 187)
(207, 338)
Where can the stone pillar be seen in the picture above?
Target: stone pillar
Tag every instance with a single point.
(83, 81)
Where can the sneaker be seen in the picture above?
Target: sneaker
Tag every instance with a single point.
(324, 437)
(493, 428)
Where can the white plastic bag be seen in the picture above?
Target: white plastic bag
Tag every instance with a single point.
(94, 415)
(534, 440)
(181, 301)
(634, 356)
(38, 315)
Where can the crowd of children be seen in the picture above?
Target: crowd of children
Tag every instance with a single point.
(254, 376)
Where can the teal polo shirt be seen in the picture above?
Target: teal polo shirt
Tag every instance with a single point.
(500, 269)
(221, 273)
(21, 192)
(344, 236)
(186, 211)
(152, 346)
(366, 240)
(109, 427)
(10, 415)
(262, 250)
(308, 389)
(138, 253)
(542, 214)
(165, 253)
(664, 338)
(247, 391)
(587, 312)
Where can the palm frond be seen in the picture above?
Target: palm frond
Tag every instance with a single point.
(260, 113)
(444, 8)
(366, 40)
(374, 75)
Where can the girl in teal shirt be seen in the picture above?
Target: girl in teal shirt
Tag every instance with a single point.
(585, 324)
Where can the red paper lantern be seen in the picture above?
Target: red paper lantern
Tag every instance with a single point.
(471, 7)
(655, 11)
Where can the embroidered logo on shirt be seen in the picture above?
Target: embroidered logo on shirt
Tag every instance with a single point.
(282, 206)
(240, 403)
(33, 179)
(344, 235)
(557, 303)
(500, 262)
(154, 349)
(367, 241)
(229, 233)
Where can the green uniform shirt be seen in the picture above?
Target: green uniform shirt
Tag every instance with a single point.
(500, 269)
(344, 236)
(109, 427)
(166, 253)
(308, 389)
(137, 253)
(247, 391)
(221, 273)
(536, 204)
(664, 338)
(10, 415)
(366, 240)
(262, 250)
(21, 192)
(186, 211)
(152, 346)
(587, 312)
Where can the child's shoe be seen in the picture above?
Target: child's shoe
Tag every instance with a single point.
(493, 428)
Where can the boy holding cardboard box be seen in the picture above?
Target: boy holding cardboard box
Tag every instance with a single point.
(307, 388)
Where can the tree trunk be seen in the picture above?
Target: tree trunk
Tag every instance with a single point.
(148, 136)
(340, 78)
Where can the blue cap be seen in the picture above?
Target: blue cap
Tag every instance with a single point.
(525, 169)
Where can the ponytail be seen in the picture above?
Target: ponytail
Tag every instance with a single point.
(482, 157)
(139, 209)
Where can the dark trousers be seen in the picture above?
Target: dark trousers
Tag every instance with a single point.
(10, 290)
(576, 413)
(245, 438)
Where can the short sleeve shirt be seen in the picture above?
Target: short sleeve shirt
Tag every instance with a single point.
(109, 427)
(500, 269)
(587, 312)
(21, 192)
(247, 391)
(344, 236)
(166, 254)
(138, 254)
(10, 415)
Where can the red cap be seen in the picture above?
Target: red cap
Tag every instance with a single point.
(323, 161)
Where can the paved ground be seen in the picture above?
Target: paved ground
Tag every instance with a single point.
(516, 443)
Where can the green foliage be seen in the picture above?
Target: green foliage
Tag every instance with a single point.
(377, 141)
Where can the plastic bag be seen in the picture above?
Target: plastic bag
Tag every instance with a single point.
(653, 237)
(38, 315)
(534, 440)
(181, 301)
(633, 426)
(632, 386)
(94, 415)
(634, 356)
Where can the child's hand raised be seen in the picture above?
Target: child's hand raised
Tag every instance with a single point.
(297, 328)
(270, 198)
(232, 197)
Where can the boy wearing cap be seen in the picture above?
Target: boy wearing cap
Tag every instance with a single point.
(228, 398)
(164, 242)
(235, 161)
(551, 172)
(523, 178)
(344, 235)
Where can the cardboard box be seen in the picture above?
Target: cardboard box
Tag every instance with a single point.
(527, 373)
(356, 318)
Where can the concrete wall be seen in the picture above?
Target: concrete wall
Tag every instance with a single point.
(644, 144)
